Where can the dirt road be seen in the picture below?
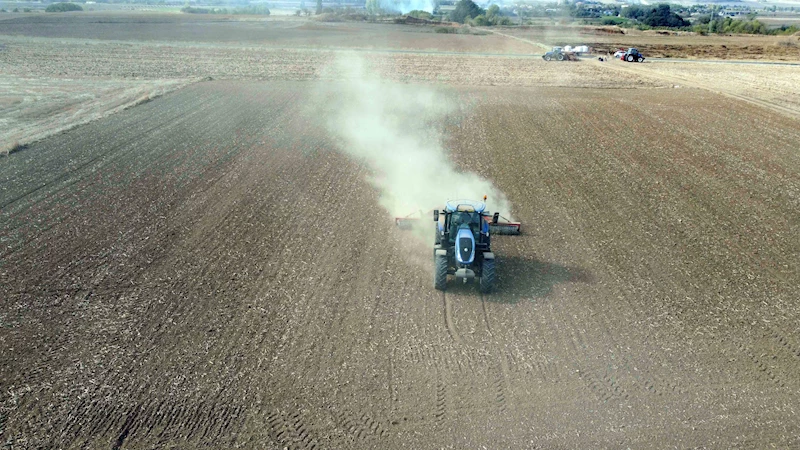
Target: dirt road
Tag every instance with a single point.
(208, 270)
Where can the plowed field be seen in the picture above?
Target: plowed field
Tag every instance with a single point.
(207, 269)
(215, 267)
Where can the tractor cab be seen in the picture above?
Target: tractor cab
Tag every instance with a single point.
(470, 221)
(462, 214)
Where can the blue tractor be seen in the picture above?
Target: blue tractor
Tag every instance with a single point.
(462, 244)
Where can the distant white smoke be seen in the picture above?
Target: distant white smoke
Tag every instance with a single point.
(392, 127)
(405, 6)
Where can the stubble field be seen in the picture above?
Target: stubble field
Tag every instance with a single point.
(211, 269)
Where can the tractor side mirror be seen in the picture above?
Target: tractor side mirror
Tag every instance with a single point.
(495, 218)
(435, 215)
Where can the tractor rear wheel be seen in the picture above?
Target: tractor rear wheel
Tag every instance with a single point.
(488, 276)
(629, 58)
(440, 272)
(560, 56)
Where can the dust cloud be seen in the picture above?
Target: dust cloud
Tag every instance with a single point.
(406, 6)
(394, 128)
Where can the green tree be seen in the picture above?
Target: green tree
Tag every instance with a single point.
(465, 10)
(63, 7)
(420, 14)
(373, 6)
(635, 12)
(713, 27)
(662, 16)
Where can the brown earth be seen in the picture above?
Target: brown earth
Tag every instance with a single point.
(279, 32)
(208, 269)
(53, 84)
(771, 86)
(292, 32)
(32, 108)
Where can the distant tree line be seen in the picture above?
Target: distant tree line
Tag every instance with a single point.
(729, 25)
(660, 16)
(418, 14)
(467, 11)
(63, 7)
(245, 10)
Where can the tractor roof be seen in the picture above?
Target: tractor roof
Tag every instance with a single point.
(465, 206)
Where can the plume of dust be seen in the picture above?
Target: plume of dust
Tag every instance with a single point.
(393, 128)
(406, 6)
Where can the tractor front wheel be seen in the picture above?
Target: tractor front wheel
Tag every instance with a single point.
(440, 272)
(640, 59)
(547, 57)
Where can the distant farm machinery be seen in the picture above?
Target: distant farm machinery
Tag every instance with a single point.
(566, 53)
(558, 54)
(630, 55)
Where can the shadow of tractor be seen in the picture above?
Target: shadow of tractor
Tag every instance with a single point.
(529, 279)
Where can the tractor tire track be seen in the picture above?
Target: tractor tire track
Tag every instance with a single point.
(486, 315)
(784, 342)
(447, 309)
(604, 386)
(288, 430)
(440, 412)
(501, 386)
(362, 426)
(763, 367)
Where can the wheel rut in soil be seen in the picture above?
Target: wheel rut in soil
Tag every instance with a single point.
(448, 319)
